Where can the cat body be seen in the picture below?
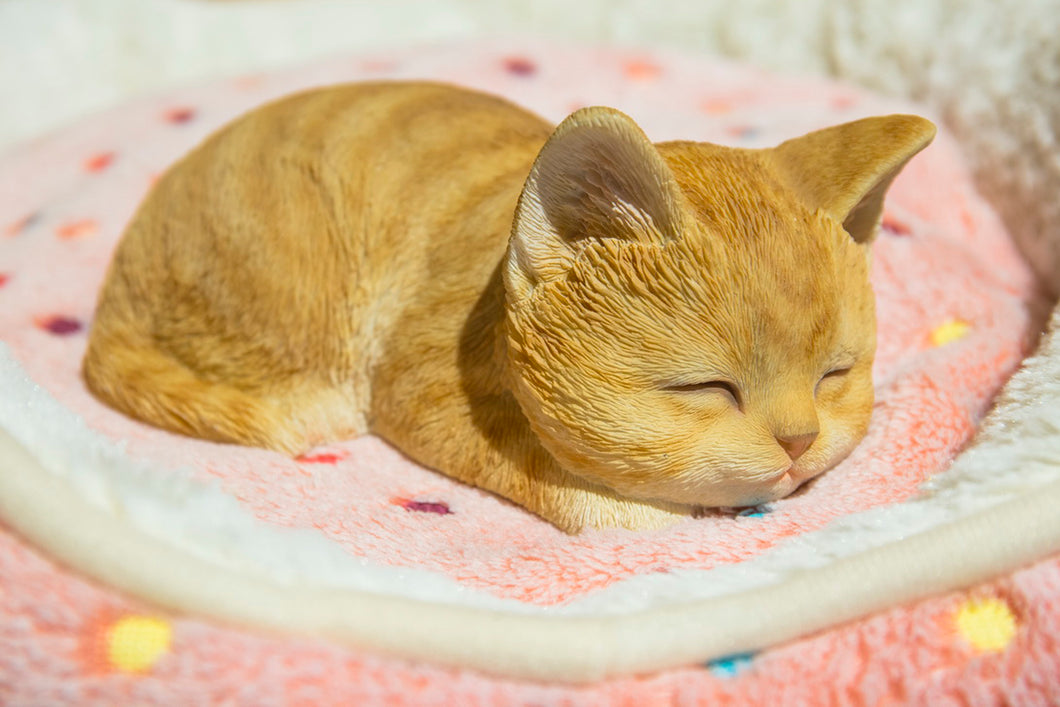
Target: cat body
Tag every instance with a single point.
(607, 332)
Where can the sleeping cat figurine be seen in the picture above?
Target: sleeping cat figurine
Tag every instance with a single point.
(605, 331)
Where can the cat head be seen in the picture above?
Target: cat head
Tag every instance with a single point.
(693, 323)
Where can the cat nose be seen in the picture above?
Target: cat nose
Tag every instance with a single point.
(795, 445)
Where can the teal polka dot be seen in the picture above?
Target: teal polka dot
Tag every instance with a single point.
(730, 665)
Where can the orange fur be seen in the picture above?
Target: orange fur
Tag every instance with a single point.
(606, 331)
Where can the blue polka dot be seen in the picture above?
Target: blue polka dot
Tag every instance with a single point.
(730, 665)
(754, 512)
(744, 132)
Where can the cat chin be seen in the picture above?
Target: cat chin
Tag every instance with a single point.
(782, 488)
(742, 495)
(775, 486)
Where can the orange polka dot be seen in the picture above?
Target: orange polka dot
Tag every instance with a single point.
(99, 162)
(249, 82)
(716, 106)
(21, 225)
(77, 229)
(641, 70)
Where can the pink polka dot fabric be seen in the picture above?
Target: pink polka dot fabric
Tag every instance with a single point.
(955, 307)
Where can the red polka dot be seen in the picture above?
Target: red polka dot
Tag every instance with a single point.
(99, 162)
(180, 115)
(60, 325)
(77, 229)
(894, 226)
(4, 277)
(520, 66)
(379, 65)
(323, 457)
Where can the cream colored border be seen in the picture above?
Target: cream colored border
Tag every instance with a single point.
(48, 512)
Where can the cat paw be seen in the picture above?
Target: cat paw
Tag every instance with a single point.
(579, 509)
(632, 515)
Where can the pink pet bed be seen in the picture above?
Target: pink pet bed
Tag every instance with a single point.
(145, 568)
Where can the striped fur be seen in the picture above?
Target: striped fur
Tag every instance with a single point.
(606, 331)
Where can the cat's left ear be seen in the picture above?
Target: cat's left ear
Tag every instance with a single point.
(846, 169)
(598, 177)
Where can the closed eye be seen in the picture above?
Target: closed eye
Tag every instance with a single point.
(834, 374)
(708, 386)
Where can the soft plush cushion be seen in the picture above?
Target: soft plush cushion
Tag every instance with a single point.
(957, 307)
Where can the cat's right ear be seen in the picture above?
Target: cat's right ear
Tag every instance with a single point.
(597, 177)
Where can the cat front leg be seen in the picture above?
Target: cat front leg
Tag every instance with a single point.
(573, 505)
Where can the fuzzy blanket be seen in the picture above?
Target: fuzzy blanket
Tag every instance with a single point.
(958, 310)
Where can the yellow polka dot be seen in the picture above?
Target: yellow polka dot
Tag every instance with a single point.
(950, 331)
(135, 643)
(987, 624)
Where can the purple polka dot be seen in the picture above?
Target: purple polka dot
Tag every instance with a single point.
(520, 66)
(180, 115)
(427, 507)
(62, 326)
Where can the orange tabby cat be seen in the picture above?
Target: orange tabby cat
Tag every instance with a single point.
(605, 331)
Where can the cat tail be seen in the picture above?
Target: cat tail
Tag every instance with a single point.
(128, 371)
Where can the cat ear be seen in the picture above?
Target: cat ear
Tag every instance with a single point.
(846, 170)
(597, 177)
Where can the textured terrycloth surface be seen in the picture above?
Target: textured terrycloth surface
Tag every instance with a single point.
(66, 641)
(955, 307)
